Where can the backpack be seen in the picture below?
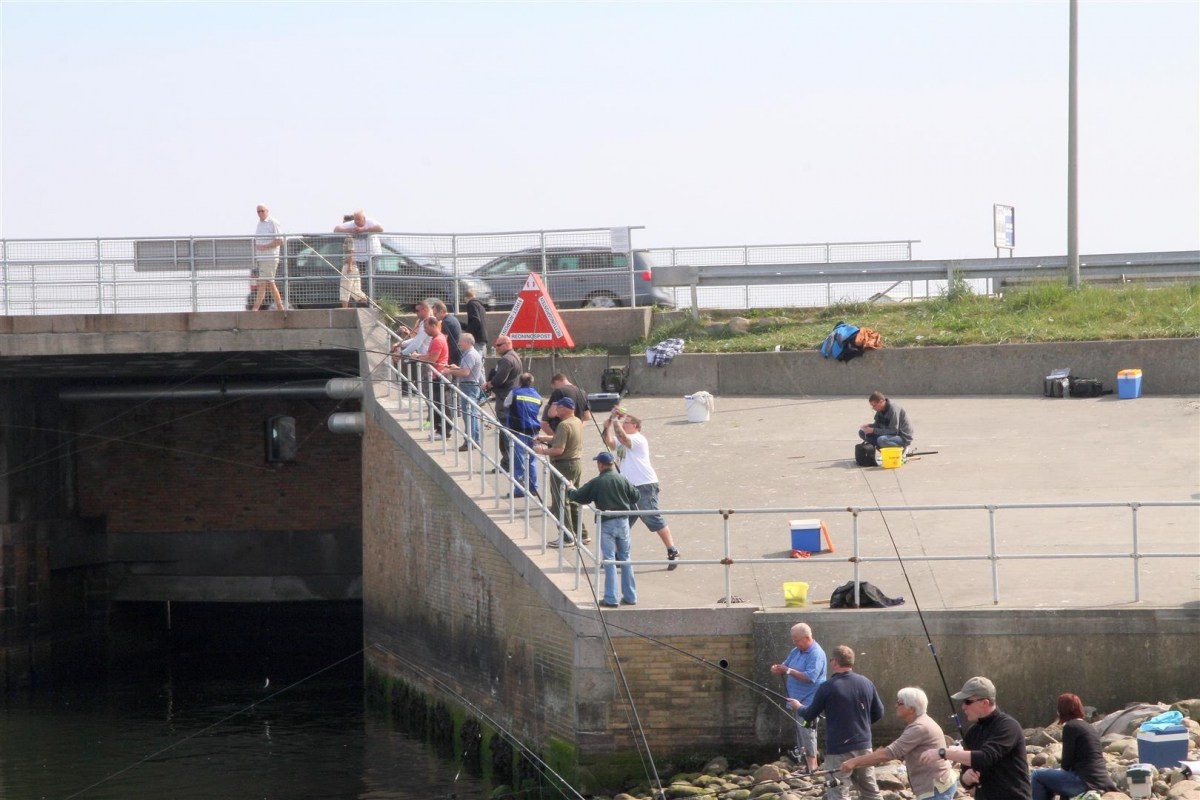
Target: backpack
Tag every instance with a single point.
(839, 344)
(869, 596)
(864, 454)
(1087, 387)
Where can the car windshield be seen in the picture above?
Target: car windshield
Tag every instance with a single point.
(417, 258)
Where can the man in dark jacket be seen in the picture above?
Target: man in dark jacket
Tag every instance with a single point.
(476, 321)
(501, 379)
(890, 427)
(524, 404)
(610, 491)
(851, 705)
(993, 750)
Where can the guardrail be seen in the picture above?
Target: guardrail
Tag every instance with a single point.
(776, 277)
(979, 543)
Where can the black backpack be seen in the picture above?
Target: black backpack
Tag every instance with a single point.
(864, 454)
(869, 596)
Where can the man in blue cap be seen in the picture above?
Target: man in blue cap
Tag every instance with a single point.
(612, 491)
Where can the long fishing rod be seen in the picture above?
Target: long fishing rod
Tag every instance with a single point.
(459, 697)
(917, 604)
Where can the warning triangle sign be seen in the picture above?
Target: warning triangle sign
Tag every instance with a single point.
(534, 320)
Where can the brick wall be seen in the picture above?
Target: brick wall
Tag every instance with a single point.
(166, 466)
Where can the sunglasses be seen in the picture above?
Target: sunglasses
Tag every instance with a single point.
(971, 700)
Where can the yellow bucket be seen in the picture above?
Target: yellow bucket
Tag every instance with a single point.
(891, 457)
(795, 594)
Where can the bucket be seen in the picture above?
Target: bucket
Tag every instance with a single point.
(795, 594)
(891, 457)
(699, 406)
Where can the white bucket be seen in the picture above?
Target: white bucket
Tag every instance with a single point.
(699, 406)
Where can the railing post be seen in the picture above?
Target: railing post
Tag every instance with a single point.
(1137, 556)
(454, 267)
(854, 534)
(728, 558)
(194, 272)
(992, 555)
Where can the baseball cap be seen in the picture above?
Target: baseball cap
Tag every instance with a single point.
(978, 686)
(566, 402)
(604, 457)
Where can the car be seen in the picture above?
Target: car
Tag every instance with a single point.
(576, 277)
(308, 276)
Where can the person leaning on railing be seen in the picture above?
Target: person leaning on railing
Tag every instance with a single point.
(565, 452)
(469, 377)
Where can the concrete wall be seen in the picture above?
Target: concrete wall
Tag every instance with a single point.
(1169, 366)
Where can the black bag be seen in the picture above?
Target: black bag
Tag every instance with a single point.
(869, 596)
(1086, 387)
(864, 454)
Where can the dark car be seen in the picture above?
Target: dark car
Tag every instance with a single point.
(308, 277)
(576, 277)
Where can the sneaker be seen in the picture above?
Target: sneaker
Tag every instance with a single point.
(795, 755)
(586, 539)
(555, 543)
(625, 602)
(606, 604)
(437, 437)
(464, 448)
(672, 555)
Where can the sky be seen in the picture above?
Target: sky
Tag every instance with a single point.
(706, 123)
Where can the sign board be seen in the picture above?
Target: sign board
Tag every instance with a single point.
(1004, 221)
(620, 240)
(534, 321)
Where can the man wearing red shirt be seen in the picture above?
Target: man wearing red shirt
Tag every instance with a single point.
(437, 355)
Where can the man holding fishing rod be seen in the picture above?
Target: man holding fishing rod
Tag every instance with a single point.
(805, 669)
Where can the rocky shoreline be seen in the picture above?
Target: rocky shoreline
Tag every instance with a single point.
(780, 780)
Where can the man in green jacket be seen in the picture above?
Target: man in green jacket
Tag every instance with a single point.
(611, 491)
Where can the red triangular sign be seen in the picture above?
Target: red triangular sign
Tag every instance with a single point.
(534, 320)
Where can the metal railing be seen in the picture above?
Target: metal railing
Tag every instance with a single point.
(218, 273)
(413, 380)
(750, 279)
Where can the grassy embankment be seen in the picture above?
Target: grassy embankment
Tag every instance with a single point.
(1043, 312)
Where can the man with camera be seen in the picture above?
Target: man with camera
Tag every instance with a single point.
(623, 434)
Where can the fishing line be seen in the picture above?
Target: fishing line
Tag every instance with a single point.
(219, 722)
(459, 697)
(917, 604)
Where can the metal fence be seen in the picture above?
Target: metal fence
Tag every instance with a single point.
(219, 273)
(982, 540)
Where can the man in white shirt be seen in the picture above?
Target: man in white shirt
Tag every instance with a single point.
(633, 451)
(268, 237)
(365, 245)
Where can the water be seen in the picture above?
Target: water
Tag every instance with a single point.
(215, 729)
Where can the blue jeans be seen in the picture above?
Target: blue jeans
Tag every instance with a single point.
(881, 441)
(1047, 782)
(522, 459)
(614, 545)
(470, 414)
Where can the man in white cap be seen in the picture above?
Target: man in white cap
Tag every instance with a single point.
(611, 491)
(993, 751)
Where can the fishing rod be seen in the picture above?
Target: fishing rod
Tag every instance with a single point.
(459, 697)
(917, 604)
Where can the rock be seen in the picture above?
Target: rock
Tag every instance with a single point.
(738, 794)
(893, 795)
(1189, 708)
(716, 328)
(765, 323)
(685, 790)
(739, 325)
(1184, 788)
(1118, 743)
(889, 777)
(1054, 751)
(1040, 737)
(768, 772)
(768, 789)
(718, 766)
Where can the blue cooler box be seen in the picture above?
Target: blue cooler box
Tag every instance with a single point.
(1129, 384)
(1165, 748)
(806, 535)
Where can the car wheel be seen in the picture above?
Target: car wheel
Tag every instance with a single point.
(601, 300)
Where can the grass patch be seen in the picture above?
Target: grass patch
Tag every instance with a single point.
(1041, 312)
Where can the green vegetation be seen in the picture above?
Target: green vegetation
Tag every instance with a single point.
(1041, 312)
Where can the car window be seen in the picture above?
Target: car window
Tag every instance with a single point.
(565, 263)
(513, 266)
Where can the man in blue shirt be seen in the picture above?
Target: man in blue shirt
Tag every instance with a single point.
(851, 705)
(524, 404)
(805, 670)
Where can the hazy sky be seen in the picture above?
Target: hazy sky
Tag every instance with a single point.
(708, 123)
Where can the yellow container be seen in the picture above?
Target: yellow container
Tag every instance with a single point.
(891, 457)
(795, 594)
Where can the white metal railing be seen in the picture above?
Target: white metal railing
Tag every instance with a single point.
(412, 377)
